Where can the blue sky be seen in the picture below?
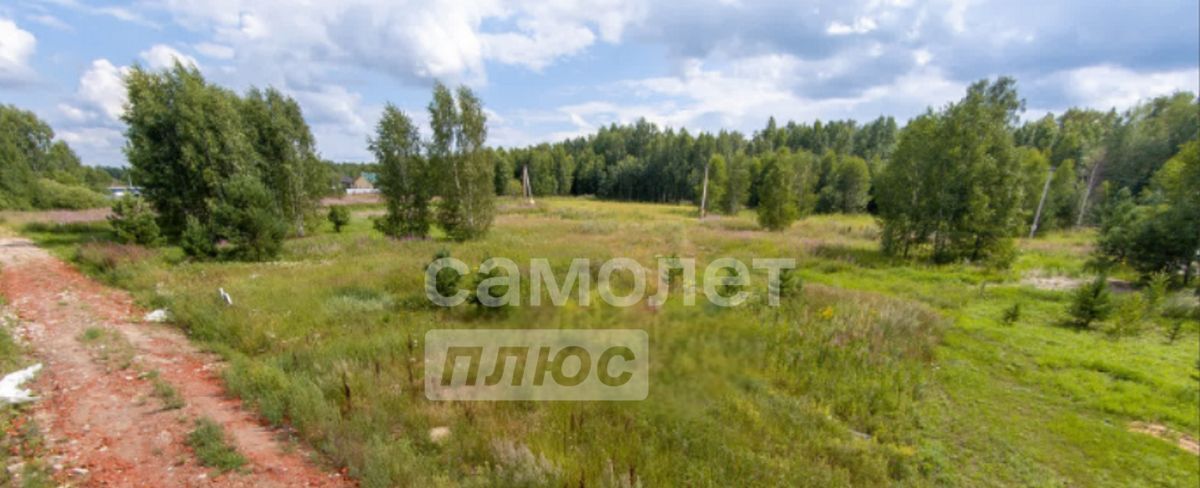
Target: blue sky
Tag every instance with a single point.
(549, 70)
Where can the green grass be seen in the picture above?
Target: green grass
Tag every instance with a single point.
(212, 448)
(881, 372)
(165, 392)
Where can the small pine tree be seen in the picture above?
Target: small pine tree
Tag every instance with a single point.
(133, 220)
(339, 216)
(1012, 314)
(196, 239)
(1092, 303)
(446, 281)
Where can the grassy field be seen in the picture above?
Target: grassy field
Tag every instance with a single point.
(880, 372)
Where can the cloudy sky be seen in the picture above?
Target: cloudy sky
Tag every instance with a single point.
(553, 69)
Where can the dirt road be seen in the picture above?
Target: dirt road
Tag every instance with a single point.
(102, 423)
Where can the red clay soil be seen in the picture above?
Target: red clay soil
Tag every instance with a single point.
(102, 425)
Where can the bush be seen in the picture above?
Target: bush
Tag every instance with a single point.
(248, 222)
(52, 194)
(339, 216)
(446, 281)
(197, 240)
(133, 220)
(1127, 321)
(1012, 314)
(1092, 303)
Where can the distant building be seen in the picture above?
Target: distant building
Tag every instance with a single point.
(365, 183)
(120, 191)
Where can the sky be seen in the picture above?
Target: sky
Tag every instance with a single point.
(548, 70)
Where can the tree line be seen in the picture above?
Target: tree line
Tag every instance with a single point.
(229, 175)
(39, 172)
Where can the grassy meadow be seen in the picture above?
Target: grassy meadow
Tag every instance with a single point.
(880, 371)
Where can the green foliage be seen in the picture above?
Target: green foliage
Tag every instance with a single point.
(1163, 233)
(954, 182)
(777, 195)
(1128, 318)
(134, 221)
(247, 221)
(461, 163)
(52, 194)
(197, 239)
(286, 152)
(446, 281)
(737, 186)
(1012, 314)
(37, 171)
(846, 185)
(404, 176)
(185, 138)
(1091, 303)
(339, 216)
(212, 448)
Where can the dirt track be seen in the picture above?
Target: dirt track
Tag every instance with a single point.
(101, 422)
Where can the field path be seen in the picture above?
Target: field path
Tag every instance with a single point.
(101, 423)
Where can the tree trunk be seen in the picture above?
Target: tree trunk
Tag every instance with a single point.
(1087, 192)
(525, 186)
(1037, 216)
(704, 194)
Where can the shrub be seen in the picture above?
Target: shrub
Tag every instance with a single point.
(133, 220)
(248, 221)
(1092, 303)
(1012, 314)
(446, 281)
(339, 216)
(197, 240)
(52, 194)
(1127, 321)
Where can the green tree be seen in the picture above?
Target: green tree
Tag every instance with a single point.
(404, 179)
(713, 183)
(955, 181)
(1091, 303)
(133, 220)
(246, 221)
(339, 216)
(777, 197)
(184, 139)
(458, 155)
(287, 158)
(737, 185)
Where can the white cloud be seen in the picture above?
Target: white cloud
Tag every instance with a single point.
(861, 25)
(161, 56)
(73, 113)
(102, 88)
(743, 95)
(408, 39)
(50, 21)
(215, 51)
(119, 13)
(16, 46)
(98, 145)
(1107, 86)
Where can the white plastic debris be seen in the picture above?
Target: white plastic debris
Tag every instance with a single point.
(159, 315)
(225, 296)
(439, 434)
(10, 387)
